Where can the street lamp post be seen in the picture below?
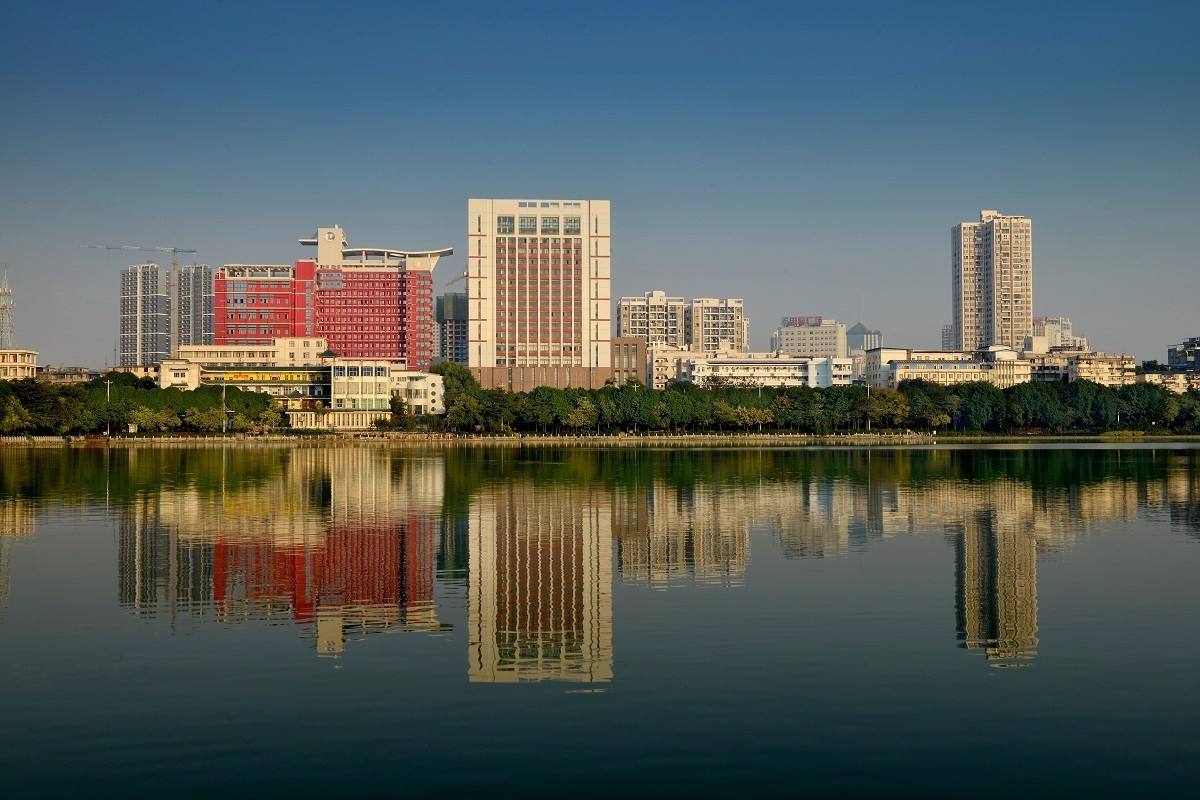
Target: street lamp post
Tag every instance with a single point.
(108, 407)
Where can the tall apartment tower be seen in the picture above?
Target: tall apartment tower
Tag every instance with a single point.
(194, 304)
(716, 323)
(655, 318)
(452, 315)
(540, 307)
(992, 279)
(145, 315)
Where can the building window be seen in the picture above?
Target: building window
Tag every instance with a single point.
(528, 225)
(549, 225)
(505, 224)
(571, 225)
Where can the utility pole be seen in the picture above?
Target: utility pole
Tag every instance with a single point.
(7, 338)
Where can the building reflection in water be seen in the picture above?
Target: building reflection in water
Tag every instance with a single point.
(16, 521)
(339, 540)
(350, 541)
(540, 584)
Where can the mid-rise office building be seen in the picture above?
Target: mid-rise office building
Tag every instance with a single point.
(655, 318)
(1185, 356)
(194, 302)
(538, 278)
(716, 324)
(145, 334)
(452, 315)
(368, 302)
(810, 337)
(992, 281)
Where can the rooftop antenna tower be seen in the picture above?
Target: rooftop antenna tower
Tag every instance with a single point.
(7, 342)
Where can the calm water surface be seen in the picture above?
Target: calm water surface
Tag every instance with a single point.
(364, 621)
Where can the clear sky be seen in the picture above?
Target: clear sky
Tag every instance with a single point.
(806, 157)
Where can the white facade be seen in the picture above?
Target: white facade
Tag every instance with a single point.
(1058, 332)
(764, 369)
(538, 278)
(716, 324)
(992, 281)
(663, 364)
(287, 351)
(655, 318)
(811, 337)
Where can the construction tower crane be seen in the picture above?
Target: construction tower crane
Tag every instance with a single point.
(172, 290)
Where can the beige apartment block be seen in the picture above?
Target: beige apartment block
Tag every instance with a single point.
(296, 351)
(810, 337)
(17, 365)
(1176, 382)
(655, 317)
(663, 364)
(538, 293)
(1106, 369)
(992, 281)
(717, 324)
(888, 367)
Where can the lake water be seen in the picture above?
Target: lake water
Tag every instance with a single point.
(364, 621)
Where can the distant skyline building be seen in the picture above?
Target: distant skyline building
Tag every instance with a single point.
(992, 281)
(655, 318)
(538, 280)
(145, 321)
(1059, 332)
(948, 337)
(195, 304)
(1185, 356)
(810, 337)
(861, 338)
(452, 315)
(715, 324)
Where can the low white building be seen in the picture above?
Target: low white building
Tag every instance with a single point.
(888, 367)
(764, 369)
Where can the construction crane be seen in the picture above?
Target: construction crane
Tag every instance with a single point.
(172, 290)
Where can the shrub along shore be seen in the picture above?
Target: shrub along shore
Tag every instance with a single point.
(35, 408)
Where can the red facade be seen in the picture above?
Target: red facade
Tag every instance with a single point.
(377, 312)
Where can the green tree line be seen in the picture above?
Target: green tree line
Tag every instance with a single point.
(917, 405)
(39, 407)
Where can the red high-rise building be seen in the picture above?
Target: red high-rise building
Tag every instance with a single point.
(366, 302)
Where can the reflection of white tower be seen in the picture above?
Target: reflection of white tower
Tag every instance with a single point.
(7, 341)
(540, 591)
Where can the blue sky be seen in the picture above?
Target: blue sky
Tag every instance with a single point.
(808, 158)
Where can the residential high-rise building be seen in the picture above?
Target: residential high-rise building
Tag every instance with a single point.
(145, 335)
(948, 337)
(992, 281)
(194, 301)
(538, 277)
(654, 318)
(810, 337)
(452, 316)
(715, 324)
(374, 303)
(862, 338)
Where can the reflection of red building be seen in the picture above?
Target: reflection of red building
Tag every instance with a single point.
(367, 302)
(368, 577)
